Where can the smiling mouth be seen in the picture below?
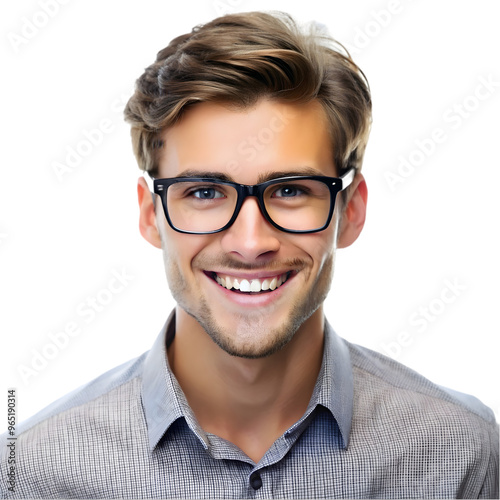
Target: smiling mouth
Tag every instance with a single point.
(252, 286)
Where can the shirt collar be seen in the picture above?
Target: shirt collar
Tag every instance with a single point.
(335, 385)
(162, 397)
(164, 402)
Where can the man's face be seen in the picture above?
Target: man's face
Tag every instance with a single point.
(247, 146)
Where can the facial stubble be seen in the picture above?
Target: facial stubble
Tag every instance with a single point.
(252, 338)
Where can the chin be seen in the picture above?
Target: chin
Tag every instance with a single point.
(252, 336)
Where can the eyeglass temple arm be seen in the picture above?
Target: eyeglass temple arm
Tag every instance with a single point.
(149, 181)
(348, 177)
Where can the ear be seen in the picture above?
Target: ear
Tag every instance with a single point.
(354, 214)
(147, 215)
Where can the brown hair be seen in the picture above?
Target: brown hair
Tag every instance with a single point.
(240, 58)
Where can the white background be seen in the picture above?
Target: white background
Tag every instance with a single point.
(62, 238)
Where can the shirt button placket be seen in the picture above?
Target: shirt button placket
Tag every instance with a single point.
(255, 481)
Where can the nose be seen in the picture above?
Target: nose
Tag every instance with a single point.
(251, 236)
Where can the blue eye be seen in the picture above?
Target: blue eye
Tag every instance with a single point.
(207, 194)
(287, 192)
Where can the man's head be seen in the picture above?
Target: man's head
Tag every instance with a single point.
(241, 58)
(248, 99)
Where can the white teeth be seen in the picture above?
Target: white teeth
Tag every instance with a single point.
(273, 284)
(254, 285)
(245, 286)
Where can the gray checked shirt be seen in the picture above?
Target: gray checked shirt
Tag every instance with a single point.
(373, 429)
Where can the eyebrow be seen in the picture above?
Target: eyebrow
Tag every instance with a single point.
(205, 174)
(262, 177)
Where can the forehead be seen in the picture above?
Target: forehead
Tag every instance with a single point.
(245, 143)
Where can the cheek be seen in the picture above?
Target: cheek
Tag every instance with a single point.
(323, 246)
(177, 257)
(324, 259)
(179, 251)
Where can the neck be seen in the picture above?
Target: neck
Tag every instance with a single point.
(249, 402)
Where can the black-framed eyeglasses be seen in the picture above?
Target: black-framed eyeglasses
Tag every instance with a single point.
(205, 205)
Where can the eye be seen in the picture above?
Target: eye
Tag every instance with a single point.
(207, 193)
(287, 192)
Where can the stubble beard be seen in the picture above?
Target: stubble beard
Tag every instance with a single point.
(252, 338)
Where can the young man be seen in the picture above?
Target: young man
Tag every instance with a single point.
(251, 136)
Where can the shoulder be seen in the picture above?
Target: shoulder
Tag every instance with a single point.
(413, 420)
(379, 374)
(94, 416)
(104, 385)
(401, 404)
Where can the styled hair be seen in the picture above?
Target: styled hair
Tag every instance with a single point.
(238, 59)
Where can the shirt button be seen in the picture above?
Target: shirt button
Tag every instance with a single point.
(255, 481)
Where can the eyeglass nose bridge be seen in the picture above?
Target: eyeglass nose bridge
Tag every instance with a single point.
(244, 192)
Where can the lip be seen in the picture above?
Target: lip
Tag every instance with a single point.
(252, 300)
